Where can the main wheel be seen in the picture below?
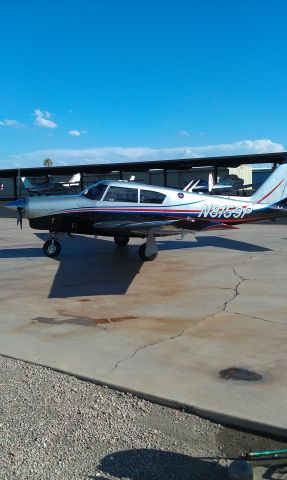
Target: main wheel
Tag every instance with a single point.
(143, 255)
(52, 248)
(121, 241)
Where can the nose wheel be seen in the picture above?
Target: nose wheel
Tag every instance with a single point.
(52, 248)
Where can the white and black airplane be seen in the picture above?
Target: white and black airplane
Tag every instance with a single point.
(122, 210)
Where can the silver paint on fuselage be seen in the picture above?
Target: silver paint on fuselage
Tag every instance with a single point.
(190, 205)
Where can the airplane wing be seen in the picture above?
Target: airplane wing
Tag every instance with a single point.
(217, 186)
(115, 227)
(231, 187)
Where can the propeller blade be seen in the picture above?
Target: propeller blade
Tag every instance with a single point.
(19, 216)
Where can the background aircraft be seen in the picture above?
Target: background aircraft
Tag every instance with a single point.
(47, 187)
(122, 209)
(228, 183)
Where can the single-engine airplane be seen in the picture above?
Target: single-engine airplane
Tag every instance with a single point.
(123, 209)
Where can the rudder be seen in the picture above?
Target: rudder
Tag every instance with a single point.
(274, 189)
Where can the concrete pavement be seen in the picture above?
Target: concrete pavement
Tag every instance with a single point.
(203, 326)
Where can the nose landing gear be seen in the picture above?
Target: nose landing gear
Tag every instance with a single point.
(52, 248)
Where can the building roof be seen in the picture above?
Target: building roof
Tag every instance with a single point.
(141, 166)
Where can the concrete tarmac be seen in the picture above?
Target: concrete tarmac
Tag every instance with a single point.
(203, 326)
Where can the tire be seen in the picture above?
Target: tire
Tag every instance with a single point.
(121, 241)
(52, 248)
(143, 256)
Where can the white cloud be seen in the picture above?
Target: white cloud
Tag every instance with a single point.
(123, 154)
(44, 114)
(11, 123)
(74, 133)
(44, 123)
(42, 119)
(183, 133)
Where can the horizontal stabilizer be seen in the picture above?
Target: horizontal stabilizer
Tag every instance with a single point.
(220, 226)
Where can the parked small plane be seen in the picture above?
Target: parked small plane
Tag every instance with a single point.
(122, 209)
(48, 187)
(227, 183)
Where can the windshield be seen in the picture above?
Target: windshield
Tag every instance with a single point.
(95, 192)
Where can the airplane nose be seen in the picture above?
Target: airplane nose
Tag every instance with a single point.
(16, 204)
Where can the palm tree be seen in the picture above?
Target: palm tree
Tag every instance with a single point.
(48, 162)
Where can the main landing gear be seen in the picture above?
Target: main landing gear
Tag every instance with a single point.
(121, 241)
(144, 256)
(147, 252)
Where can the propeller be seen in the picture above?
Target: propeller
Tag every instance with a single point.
(20, 216)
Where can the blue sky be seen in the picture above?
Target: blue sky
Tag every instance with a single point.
(99, 80)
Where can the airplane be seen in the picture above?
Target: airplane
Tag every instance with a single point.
(123, 209)
(227, 183)
(49, 188)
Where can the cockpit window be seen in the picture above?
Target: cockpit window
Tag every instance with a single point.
(95, 192)
(148, 196)
(121, 194)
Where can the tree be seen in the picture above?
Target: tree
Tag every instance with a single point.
(48, 162)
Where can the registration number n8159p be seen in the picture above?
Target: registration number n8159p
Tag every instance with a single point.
(224, 211)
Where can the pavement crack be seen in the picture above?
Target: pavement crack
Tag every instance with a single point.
(132, 355)
(235, 289)
(258, 318)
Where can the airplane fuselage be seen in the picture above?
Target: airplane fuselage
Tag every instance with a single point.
(184, 211)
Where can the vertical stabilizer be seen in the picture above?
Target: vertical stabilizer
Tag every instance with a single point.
(274, 189)
(211, 181)
(26, 182)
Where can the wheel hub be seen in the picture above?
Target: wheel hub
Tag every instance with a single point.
(51, 248)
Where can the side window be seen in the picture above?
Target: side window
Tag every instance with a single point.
(121, 194)
(148, 196)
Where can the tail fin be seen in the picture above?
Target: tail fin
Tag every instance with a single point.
(274, 189)
(26, 182)
(75, 178)
(211, 181)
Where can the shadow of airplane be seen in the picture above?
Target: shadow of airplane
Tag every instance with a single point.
(89, 267)
(151, 464)
(212, 241)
